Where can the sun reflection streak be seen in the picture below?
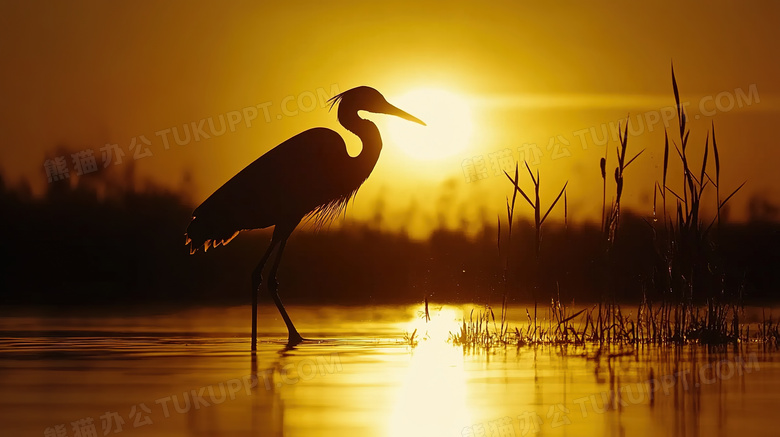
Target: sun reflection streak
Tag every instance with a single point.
(432, 398)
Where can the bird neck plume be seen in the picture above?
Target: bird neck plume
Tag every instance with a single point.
(369, 137)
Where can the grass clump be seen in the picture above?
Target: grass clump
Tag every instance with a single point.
(539, 220)
(686, 300)
(476, 332)
(688, 271)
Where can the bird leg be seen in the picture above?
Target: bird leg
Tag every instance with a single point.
(257, 273)
(294, 337)
(257, 280)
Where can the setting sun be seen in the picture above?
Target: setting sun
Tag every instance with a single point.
(448, 119)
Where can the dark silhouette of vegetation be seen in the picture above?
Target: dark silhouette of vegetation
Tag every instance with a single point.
(536, 279)
(74, 246)
(690, 292)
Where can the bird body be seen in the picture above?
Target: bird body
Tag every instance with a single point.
(282, 185)
(310, 174)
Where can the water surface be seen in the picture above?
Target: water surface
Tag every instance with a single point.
(189, 373)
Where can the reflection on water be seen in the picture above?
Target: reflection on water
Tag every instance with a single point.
(190, 373)
(431, 398)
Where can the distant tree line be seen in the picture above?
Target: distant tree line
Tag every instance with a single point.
(102, 243)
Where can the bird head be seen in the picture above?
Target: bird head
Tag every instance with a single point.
(364, 98)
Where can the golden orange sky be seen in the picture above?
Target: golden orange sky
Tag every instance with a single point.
(86, 74)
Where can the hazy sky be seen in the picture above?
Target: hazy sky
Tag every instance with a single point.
(86, 74)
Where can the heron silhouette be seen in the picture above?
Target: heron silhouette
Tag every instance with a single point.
(309, 175)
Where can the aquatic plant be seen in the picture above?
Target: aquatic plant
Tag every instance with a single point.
(694, 303)
(539, 220)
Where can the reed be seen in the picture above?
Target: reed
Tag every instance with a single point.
(561, 325)
(688, 274)
(610, 220)
(539, 219)
(693, 303)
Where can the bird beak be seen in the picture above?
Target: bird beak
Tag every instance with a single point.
(392, 110)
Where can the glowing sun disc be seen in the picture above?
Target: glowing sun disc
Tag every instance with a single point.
(448, 119)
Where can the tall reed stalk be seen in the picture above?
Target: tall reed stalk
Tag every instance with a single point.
(610, 219)
(539, 219)
(687, 272)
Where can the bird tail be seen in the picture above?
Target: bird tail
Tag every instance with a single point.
(200, 236)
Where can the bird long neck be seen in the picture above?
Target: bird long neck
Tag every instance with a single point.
(369, 136)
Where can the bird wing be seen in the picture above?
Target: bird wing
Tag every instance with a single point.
(286, 183)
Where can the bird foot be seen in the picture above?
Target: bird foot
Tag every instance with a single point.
(294, 339)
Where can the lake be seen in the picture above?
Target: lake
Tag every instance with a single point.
(189, 372)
